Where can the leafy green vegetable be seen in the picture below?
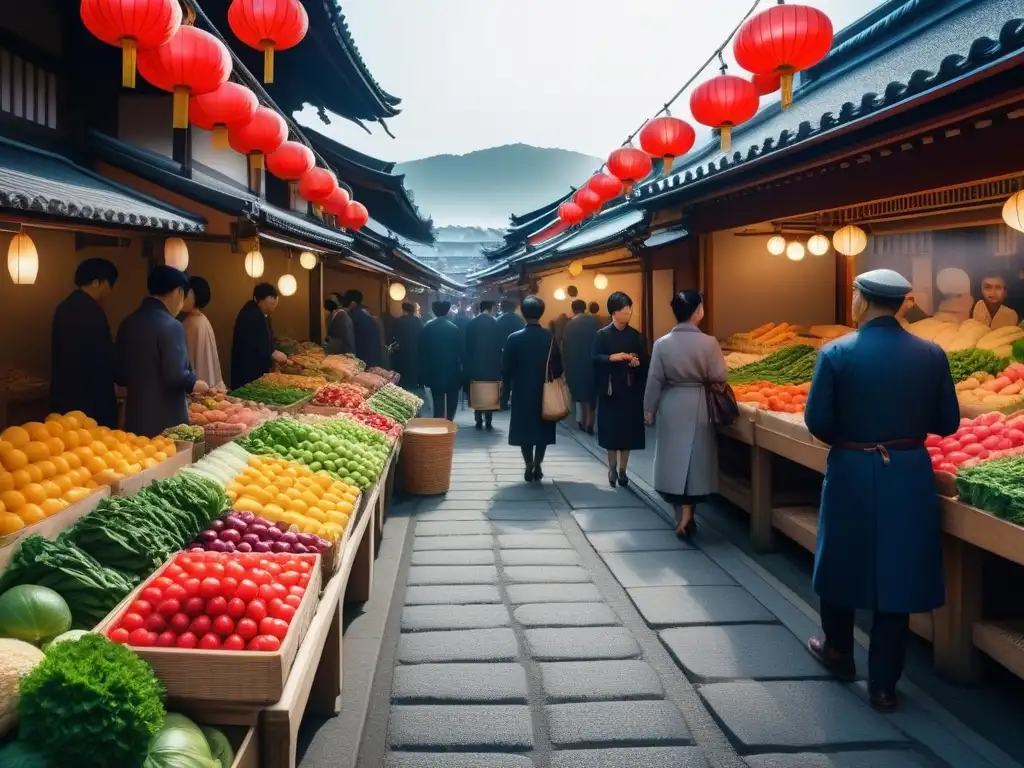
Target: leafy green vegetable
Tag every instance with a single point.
(220, 747)
(996, 486)
(387, 402)
(964, 362)
(179, 743)
(271, 394)
(1017, 351)
(91, 704)
(790, 365)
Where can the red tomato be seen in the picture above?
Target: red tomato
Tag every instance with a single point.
(288, 578)
(957, 457)
(981, 431)
(166, 639)
(187, 640)
(273, 568)
(121, 635)
(947, 467)
(194, 606)
(279, 590)
(156, 623)
(991, 443)
(209, 642)
(228, 586)
(209, 587)
(224, 625)
(234, 643)
(256, 610)
(234, 569)
(267, 643)
(196, 569)
(161, 582)
(152, 595)
(215, 569)
(297, 591)
(200, 625)
(141, 638)
(179, 623)
(304, 580)
(236, 608)
(132, 621)
(141, 607)
(260, 575)
(249, 560)
(169, 607)
(305, 565)
(283, 612)
(275, 627)
(216, 606)
(247, 628)
(173, 572)
(969, 439)
(247, 590)
(973, 449)
(932, 441)
(266, 592)
(293, 600)
(191, 587)
(175, 592)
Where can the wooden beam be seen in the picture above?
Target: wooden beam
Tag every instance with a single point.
(316, 315)
(181, 151)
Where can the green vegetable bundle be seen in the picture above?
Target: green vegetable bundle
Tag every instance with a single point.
(996, 486)
(386, 402)
(790, 365)
(964, 362)
(270, 394)
(200, 499)
(188, 433)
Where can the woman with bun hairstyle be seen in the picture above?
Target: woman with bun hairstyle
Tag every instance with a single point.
(682, 363)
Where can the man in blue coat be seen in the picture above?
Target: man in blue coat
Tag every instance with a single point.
(509, 321)
(441, 361)
(252, 343)
(368, 337)
(482, 358)
(875, 396)
(152, 357)
(405, 346)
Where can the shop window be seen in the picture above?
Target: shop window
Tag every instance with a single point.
(27, 91)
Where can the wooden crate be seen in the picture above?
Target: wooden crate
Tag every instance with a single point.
(226, 676)
(53, 525)
(132, 485)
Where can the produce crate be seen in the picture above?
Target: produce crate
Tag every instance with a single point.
(973, 410)
(245, 742)
(252, 677)
(195, 450)
(132, 485)
(321, 410)
(216, 441)
(53, 525)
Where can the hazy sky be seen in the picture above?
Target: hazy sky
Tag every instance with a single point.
(575, 74)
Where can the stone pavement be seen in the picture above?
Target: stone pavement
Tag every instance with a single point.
(562, 624)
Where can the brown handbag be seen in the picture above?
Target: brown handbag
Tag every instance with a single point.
(722, 407)
(556, 402)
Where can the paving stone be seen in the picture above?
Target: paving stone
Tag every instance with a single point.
(638, 519)
(741, 652)
(616, 723)
(458, 645)
(665, 569)
(592, 496)
(453, 557)
(419, 618)
(635, 757)
(552, 593)
(581, 643)
(450, 760)
(423, 543)
(546, 574)
(565, 615)
(794, 715)
(678, 606)
(636, 541)
(536, 527)
(532, 541)
(420, 575)
(461, 727)
(520, 512)
(459, 595)
(868, 759)
(600, 681)
(459, 683)
(521, 492)
(540, 557)
(452, 528)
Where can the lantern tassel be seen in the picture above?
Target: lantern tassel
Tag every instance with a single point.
(666, 165)
(726, 137)
(129, 58)
(180, 119)
(627, 187)
(268, 61)
(220, 137)
(256, 161)
(786, 84)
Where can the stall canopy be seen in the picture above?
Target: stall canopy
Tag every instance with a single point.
(662, 237)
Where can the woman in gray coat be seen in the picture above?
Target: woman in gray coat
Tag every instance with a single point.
(685, 459)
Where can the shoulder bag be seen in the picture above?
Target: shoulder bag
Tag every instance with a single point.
(721, 400)
(556, 402)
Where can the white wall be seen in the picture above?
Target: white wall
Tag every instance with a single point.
(224, 161)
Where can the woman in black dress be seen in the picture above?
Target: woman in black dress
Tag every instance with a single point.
(620, 366)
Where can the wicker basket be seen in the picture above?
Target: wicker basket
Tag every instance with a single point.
(427, 449)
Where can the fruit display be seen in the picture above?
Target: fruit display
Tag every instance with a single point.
(995, 486)
(791, 365)
(216, 601)
(785, 398)
(270, 394)
(33, 614)
(185, 433)
(239, 531)
(17, 659)
(339, 396)
(965, 362)
(395, 403)
(983, 438)
(956, 337)
(287, 381)
(995, 392)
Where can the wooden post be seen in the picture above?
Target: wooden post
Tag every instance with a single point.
(955, 655)
(360, 581)
(316, 299)
(325, 693)
(181, 149)
(256, 174)
(762, 531)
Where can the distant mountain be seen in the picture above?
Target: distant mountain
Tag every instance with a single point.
(483, 188)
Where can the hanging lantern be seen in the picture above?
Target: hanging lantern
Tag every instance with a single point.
(570, 213)
(176, 253)
(336, 203)
(318, 184)
(1013, 211)
(776, 245)
(254, 264)
(22, 260)
(290, 161)
(134, 26)
(600, 281)
(850, 240)
(667, 138)
(307, 260)
(783, 39)
(724, 102)
(264, 134)
(607, 186)
(268, 26)
(818, 245)
(192, 63)
(559, 294)
(355, 216)
(396, 291)
(588, 200)
(766, 84)
(795, 251)
(287, 285)
(575, 268)
(230, 106)
(629, 165)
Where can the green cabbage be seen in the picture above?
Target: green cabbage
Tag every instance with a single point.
(219, 746)
(179, 744)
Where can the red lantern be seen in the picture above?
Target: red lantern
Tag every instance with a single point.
(192, 63)
(268, 25)
(588, 200)
(629, 165)
(607, 186)
(766, 84)
(229, 106)
(354, 216)
(723, 102)
(783, 39)
(667, 138)
(318, 184)
(570, 213)
(262, 135)
(336, 203)
(290, 161)
(132, 25)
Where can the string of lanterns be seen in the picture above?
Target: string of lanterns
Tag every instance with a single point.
(850, 240)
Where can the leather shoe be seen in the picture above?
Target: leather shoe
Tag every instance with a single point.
(842, 667)
(884, 702)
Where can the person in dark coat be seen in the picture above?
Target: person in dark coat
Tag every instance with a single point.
(84, 359)
(482, 358)
(529, 359)
(620, 362)
(441, 361)
(874, 397)
(341, 336)
(252, 345)
(509, 322)
(369, 340)
(405, 347)
(577, 349)
(152, 357)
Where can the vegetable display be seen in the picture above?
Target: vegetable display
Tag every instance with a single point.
(34, 614)
(339, 396)
(957, 337)
(270, 394)
(785, 398)
(1001, 391)
(345, 366)
(986, 437)
(964, 363)
(791, 365)
(995, 486)
(240, 531)
(292, 381)
(17, 659)
(180, 743)
(186, 433)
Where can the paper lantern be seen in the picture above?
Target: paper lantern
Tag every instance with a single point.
(724, 102)
(337, 202)
(22, 260)
(268, 25)
(265, 133)
(600, 281)
(783, 39)
(576, 268)
(607, 186)
(192, 63)
(1013, 211)
(850, 240)
(230, 106)
(132, 25)
(818, 245)
(766, 84)
(776, 245)
(290, 161)
(318, 184)
(667, 138)
(629, 165)
(307, 260)
(254, 264)
(354, 217)
(795, 251)
(176, 253)
(588, 200)
(570, 212)
(287, 285)
(396, 291)
(559, 294)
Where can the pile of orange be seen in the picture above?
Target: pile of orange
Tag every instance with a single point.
(786, 398)
(44, 468)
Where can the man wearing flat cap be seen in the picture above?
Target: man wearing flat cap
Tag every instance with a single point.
(875, 396)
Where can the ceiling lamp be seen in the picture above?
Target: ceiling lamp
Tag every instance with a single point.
(268, 25)
(287, 285)
(318, 184)
(576, 268)
(588, 200)
(354, 217)
(600, 281)
(570, 213)
(783, 39)
(265, 133)
(132, 26)
(230, 106)
(666, 138)
(559, 294)
(254, 264)
(850, 240)
(766, 84)
(776, 245)
(307, 260)
(22, 260)
(795, 251)
(1013, 211)
(176, 253)
(396, 291)
(607, 186)
(818, 245)
(724, 102)
(629, 165)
